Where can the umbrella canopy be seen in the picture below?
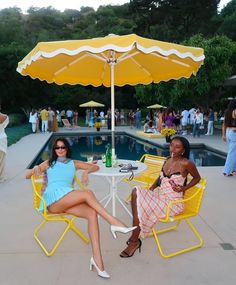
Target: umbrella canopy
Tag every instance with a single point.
(109, 61)
(156, 106)
(137, 60)
(91, 104)
(231, 81)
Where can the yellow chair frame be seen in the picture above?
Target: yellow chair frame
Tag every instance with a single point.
(192, 200)
(37, 183)
(149, 175)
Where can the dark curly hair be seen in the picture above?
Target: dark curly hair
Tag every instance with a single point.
(54, 156)
(185, 144)
(228, 112)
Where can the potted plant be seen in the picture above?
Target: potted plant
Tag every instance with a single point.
(168, 133)
(98, 141)
(98, 124)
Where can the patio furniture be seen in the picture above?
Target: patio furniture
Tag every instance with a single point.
(154, 165)
(113, 175)
(192, 201)
(150, 135)
(37, 183)
(66, 124)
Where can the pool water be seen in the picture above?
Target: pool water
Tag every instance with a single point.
(127, 147)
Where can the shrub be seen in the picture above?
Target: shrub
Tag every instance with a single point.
(16, 119)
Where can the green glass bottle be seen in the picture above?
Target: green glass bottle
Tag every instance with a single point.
(108, 156)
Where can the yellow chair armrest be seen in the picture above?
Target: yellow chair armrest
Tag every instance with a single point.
(44, 203)
(167, 218)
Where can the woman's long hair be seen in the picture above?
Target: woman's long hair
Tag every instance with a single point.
(185, 144)
(54, 156)
(228, 112)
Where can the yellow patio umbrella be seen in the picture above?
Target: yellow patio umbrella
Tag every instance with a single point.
(156, 106)
(109, 61)
(91, 104)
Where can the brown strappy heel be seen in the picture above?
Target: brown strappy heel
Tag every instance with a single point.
(124, 254)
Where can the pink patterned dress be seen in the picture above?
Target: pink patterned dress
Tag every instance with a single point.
(152, 205)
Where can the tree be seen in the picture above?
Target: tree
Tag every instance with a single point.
(205, 88)
(228, 20)
(172, 20)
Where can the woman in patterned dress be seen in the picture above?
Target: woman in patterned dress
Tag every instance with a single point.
(150, 205)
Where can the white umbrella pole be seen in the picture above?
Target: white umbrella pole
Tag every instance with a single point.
(112, 108)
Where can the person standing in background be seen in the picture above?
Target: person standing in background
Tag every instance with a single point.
(160, 124)
(51, 114)
(229, 135)
(198, 122)
(69, 115)
(138, 118)
(4, 121)
(44, 118)
(210, 124)
(184, 121)
(33, 119)
(54, 121)
(75, 118)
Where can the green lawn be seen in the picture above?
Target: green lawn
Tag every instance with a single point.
(14, 134)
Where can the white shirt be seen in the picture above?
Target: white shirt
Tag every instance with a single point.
(3, 136)
(198, 118)
(185, 114)
(192, 113)
(33, 118)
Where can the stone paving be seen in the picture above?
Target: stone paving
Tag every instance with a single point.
(23, 262)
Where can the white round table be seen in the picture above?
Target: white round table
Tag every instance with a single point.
(114, 176)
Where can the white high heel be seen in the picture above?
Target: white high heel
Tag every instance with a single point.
(100, 273)
(122, 230)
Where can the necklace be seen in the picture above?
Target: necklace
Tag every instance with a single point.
(62, 159)
(171, 166)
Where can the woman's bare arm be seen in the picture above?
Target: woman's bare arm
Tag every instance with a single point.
(88, 168)
(223, 132)
(189, 168)
(37, 169)
(2, 118)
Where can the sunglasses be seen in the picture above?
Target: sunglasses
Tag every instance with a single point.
(60, 147)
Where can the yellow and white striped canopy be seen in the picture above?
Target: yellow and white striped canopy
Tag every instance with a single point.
(136, 60)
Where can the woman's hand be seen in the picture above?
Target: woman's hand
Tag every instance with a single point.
(178, 188)
(85, 178)
(151, 188)
(224, 138)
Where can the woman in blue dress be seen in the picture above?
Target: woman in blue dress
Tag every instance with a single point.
(61, 197)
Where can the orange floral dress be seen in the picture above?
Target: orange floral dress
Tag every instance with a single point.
(152, 205)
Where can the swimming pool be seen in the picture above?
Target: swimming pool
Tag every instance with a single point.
(127, 147)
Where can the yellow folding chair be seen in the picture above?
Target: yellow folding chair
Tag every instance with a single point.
(192, 201)
(154, 165)
(37, 183)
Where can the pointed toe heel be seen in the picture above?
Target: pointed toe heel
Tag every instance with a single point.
(122, 230)
(100, 273)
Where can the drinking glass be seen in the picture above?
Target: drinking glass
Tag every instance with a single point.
(103, 158)
(114, 161)
(90, 159)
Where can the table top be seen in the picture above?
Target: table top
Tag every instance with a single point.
(115, 171)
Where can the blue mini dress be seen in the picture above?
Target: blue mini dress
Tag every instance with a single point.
(60, 178)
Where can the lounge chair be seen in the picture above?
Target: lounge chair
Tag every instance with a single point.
(150, 135)
(66, 124)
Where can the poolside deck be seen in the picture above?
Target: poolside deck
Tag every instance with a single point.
(23, 262)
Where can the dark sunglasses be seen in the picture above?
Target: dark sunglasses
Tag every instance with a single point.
(60, 147)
